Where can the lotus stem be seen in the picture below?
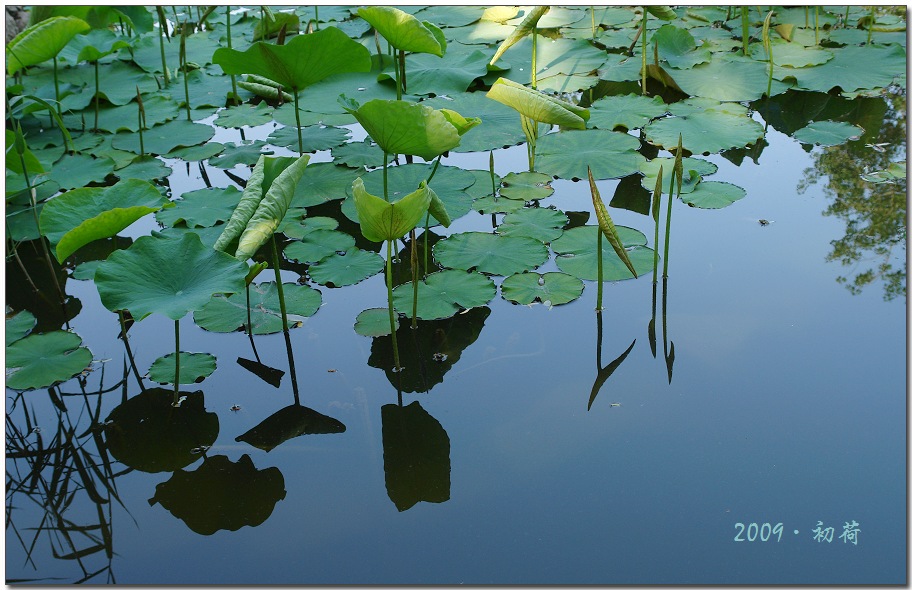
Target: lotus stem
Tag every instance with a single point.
(491, 169)
(96, 96)
(414, 263)
(385, 185)
(281, 292)
(249, 325)
(389, 293)
(817, 28)
(297, 121)
(177, 364)
(598, 292)
(674, 173)
(870, 25)
(56, 87)
(233, 77)
(317, 17)
(141, 113)
(183, 66)
(592, 13)
(163, 26)
(534, 55)
(745, 28)
(643, 33)
(402, 88)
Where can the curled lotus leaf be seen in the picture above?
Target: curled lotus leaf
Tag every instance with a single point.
(42, 41)
(381, 220)
(403, 31)
(538, 106)
(525, 27)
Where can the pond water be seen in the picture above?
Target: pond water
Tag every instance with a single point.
(741, 422)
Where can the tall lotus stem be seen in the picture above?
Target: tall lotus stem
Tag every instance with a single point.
(389, 293)
(414, 263)
(870, 25)
(182, 57)
(745, 28)
(656, 204)
(534, 55)
(281, 293)
(768, 45)
(677, 175)
(297, 121)
(177, 364)
(233, 77)
(142, 122)
(56, 87)
(592, 13)
(163, 32)
(817, 27)
(643, 33)
(400, 79)
(385, 185)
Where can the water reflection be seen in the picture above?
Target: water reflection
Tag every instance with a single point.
(221, 495)
(289, 422)
(604, 372)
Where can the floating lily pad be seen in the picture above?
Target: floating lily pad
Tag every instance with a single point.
(650, 172)
(121, 80)
(244, 154)
(113, 118)
(317, 245)
(41, 360)
(78, 170)
(500, 127)
(298, 229)
(313, 138)
(358, 154)
(163, 138)
(197, 153)
(194, 367)
(373, 322)
(452, 74)
(608, 154)
(706, 132)
(526, 186)
(227, 314)
(792, 54)
(678, 47)
(538, 223)
(630, 112)
(578, 256)
(244, 115)
(714, 195)
(554, 288)
(145, 168)
(490, 253)
(171, 276)
(201, 208)
(444, 293)
(19, 325)
(851, 69)
(339, 270)
(84, 215)
(828, 133)
(728, 79)
(491, 205)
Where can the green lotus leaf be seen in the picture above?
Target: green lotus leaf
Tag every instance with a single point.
(145, 168)
(828, 133)
(792, 54)
(401, 127)
(538, 106)
(489, 205)
(484, 185)
(323, 182)
(403, 31)
(621, 68)
(452, 74)
(19, 325)
(240, 154)
(728, 79)
(201, 208)
(694, 170)
(381, 220)
(313, 138)
(170, 276)
(498, 129)
(578, 256)
(78, 170)
(714, 195)
(538, 223)
(194, 367)
(678, 47)
(349, 268)
(41, 360)
(227, 314)
(120, 82)
(317, 245)
(568, 57)
(146, 51)
(302, 61)
(373, 322)
(630, 112)
(93, 45)
(163, 138)
(851, 69)
(42, 41)
(525, 27)
(610, 154)
(208, 88)
(358, 154)
(77, 217)
(444, 293)
(490, 253)
(113, 118)
(244, 115)
(553, 288)
(451, 16)
(273, 23)
(662, 12)
(526, 186)
(298, 229)
(706, 132)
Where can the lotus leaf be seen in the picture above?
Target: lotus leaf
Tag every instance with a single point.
(482, 187)
(539, 223)
(620, 68)
(227, 314)
(93, 45)
(538, 106)
(208, 90)
(146, 52)
(382, 220)
(526, 186)
(171, 276)
(606, 224)
(609, 154)
(714, 195)
(148, 434)
(41, 360)
(299, 229)
(851, 69)
(159, 108)
(194, 367)
(828, 133)
(553, 57)
(484, 32)
(78, 170)
(358, 154)
(630, 112)
(304, 60)
(19, 325)
(678, 47)
(528, 25)
(323, 182)
(744, 80)
(450, 75)
(120, 82)
(41, 42)
(498, 128)
(490, 253)
(694, 170)
(144, 168)
(553, 288)
(792, 55)
(77, 217)
(197, 153)
(349, 268)
(708, 132)
(373, 322)
(317, 245)
(244, 115)
(403, 31)
(163, 138)
(444, 293)
(240, 154)
(451, 16)
(577, 254)
(201, 208)
(314, 138)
